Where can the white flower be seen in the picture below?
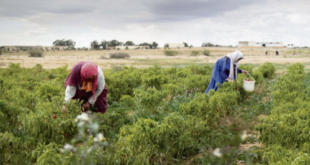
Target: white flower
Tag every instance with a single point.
(83, 117)
(244, 135)
(100, 136)
(68, 147)
(217, 152)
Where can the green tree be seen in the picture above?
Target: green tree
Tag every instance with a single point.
(144, 44)
(95, 44)
(154, 45)
(151, 45)
(69, 43)
(104, 44)
(129, 43)
(114, 43)
(208, 44)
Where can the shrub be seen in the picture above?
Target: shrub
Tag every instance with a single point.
(267, 70)
(126, 48)
(206, 52)
(119, 55)
(36, 53)
(171, 52)
(103, 57)
(194, 53)
(0, 51)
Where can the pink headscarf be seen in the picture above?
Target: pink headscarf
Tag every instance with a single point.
(88, 70)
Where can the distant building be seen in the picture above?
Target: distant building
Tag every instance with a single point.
(290, 46)
(260, 44)
(131, 47)
(176, 45)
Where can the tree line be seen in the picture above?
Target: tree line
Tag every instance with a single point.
(70, 44)
(208, 44)
(113, 43)
(67, 43)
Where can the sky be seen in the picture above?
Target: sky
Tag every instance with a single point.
(224, 22)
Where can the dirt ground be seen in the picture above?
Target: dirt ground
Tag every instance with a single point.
(147, 58)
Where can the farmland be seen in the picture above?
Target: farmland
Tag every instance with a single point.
(150, 57)
(158, 112)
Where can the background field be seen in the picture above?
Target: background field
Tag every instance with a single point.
(150, 57)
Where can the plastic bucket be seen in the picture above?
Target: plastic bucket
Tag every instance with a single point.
(248, 85)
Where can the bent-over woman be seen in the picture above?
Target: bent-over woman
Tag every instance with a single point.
(225, 69)
(86, 83)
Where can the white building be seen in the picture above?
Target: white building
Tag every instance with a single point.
(260, 44)
(290, 46)
(176, 45)
(131, 47)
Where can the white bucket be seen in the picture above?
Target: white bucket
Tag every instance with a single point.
(248, 85)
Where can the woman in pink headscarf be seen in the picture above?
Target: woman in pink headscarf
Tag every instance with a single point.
(86, 83)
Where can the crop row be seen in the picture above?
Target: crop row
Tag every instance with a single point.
(155, 114)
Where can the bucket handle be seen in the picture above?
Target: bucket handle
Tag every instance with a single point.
(251, 76)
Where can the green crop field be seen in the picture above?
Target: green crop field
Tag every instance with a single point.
(157, 115)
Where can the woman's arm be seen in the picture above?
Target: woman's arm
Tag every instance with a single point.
(243, 71)
(69, 94)
(225, 74)
(226, 70)
(100, 86)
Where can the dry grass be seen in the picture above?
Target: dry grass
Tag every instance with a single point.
(150, 57)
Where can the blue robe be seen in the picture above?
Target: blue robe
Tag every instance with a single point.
(220, 73)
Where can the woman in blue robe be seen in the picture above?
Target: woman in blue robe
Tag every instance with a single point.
(225, 69)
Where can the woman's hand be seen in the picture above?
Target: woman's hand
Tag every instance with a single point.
(229, 80)
(245, 72)
(86, 106)
(64, 109)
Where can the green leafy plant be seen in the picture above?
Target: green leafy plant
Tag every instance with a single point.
(155, 115)
(119, 55)
(206, 52)
(171, 53)
(92, 142)
(195, 52)
(267, 70)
